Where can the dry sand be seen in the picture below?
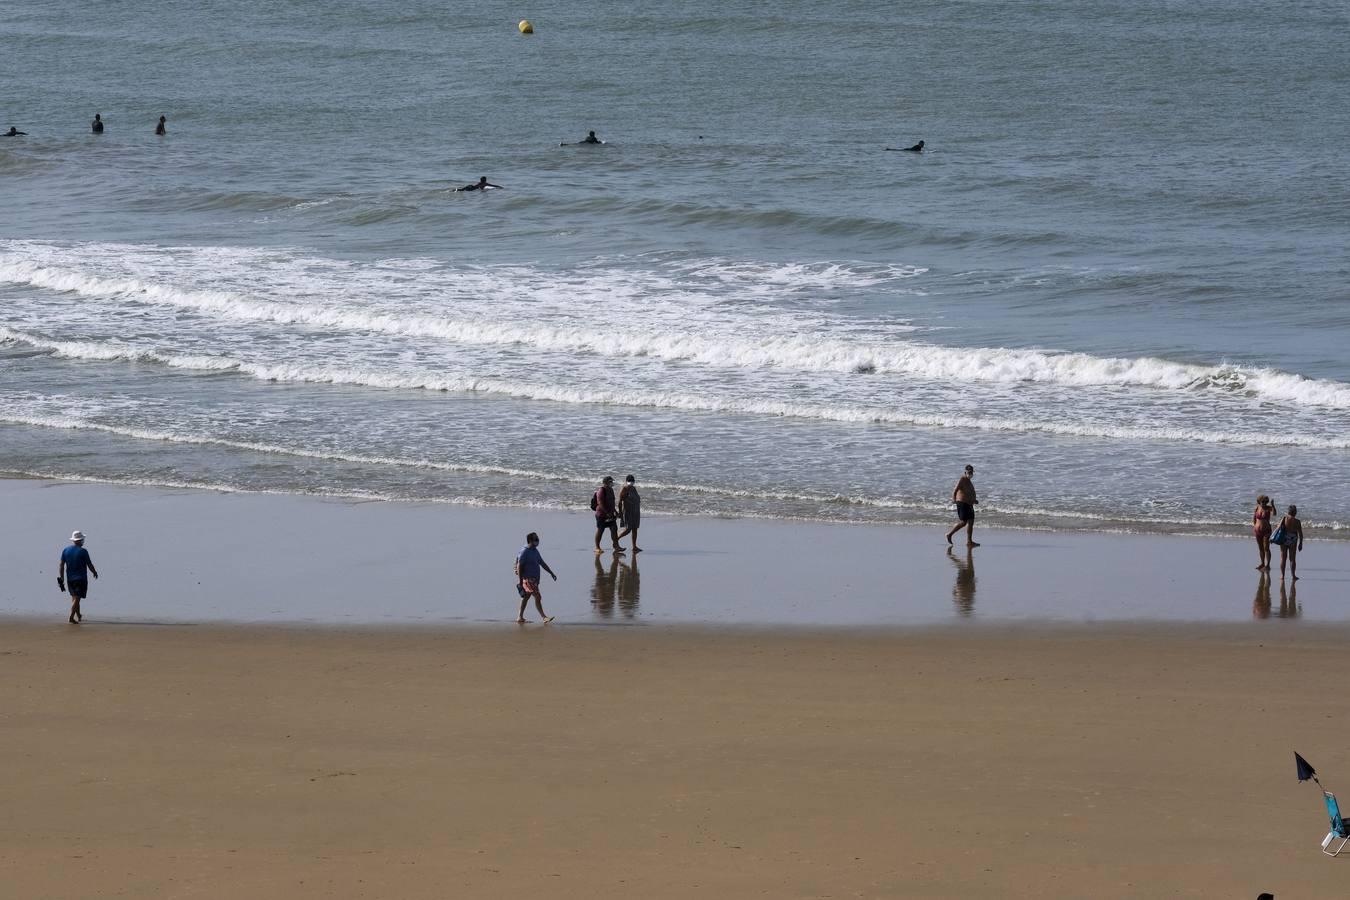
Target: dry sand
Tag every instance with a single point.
(194, 761)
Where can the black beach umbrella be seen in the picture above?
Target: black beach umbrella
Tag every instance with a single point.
(1305, 771)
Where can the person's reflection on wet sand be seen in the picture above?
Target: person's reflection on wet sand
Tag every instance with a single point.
(629, 588)
(602, 595)
(1261, 603)
(1289, 608)
(963, 592)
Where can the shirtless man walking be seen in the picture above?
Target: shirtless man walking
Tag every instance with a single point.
(963, 495)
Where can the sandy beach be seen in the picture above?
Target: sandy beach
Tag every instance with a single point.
(1083, 715)
(192, 761)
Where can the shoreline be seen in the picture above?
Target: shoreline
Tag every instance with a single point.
(206, 556)
(991, 517)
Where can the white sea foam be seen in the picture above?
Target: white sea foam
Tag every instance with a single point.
(661, 320)
(702, 401)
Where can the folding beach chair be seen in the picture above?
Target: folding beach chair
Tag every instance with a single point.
(1339, 829)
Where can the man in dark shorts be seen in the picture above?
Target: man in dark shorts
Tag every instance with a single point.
(73, 577)
(963, 495)
(606, 514)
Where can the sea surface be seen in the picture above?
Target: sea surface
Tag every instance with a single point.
(1117, 282)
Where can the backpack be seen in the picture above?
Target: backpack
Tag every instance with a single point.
(595, 500)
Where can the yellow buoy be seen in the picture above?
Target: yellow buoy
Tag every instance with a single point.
(525, 27)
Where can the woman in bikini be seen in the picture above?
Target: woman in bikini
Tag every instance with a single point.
(1261, 530)
(1292, 543)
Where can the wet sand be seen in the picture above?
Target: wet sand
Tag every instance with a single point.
(195, 556)
(195, 761)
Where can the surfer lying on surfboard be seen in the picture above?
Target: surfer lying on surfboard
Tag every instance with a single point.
(481, 185)
(917, 148)
(590, 138)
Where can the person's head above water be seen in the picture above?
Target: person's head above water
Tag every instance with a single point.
(590, 134)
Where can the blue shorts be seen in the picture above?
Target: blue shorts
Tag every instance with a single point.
(78, 588)
(965, 512)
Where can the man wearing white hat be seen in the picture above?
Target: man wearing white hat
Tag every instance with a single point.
(76, 566)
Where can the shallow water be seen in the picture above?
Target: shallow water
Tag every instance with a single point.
(1115, 284)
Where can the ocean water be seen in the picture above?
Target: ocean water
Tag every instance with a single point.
(1117, 283)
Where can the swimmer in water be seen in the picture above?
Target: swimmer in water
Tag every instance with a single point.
(160, 129)
(917, 148)
(590, 138)
(482, 185)
(97, 125)
(14, 132)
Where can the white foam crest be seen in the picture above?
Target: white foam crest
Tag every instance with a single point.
(800, 276)
(523, 309)
(672, 344)
(701, 402)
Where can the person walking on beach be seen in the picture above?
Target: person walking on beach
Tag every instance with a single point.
(97, 125)
(1261, 530)
(606, 514)
(630, 511)
(1291, 541)
(963, 495)
(160, 129)
(528, 566)
(73, 575)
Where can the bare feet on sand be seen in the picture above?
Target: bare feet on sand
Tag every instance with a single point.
(546, 620)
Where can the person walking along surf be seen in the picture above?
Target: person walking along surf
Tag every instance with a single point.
(73, 575)
(606, 514)
(1261, 530)
(1289, 535)
(630, 511)
(528, 565)
(963, 495)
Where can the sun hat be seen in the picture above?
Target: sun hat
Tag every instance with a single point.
(77, 535)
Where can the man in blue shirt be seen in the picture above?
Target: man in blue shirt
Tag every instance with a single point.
(528, 564)
(76, 566)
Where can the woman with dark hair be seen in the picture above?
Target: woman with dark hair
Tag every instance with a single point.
(1292, 541)
(630, 511)
(1261, 530)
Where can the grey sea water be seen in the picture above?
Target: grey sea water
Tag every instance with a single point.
(1116, 283)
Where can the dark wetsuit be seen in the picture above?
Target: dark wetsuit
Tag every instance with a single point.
(14, 132)
(97, 126)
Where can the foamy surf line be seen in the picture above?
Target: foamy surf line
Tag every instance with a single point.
(775, 341)
(1032, 522)
(705, 402)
